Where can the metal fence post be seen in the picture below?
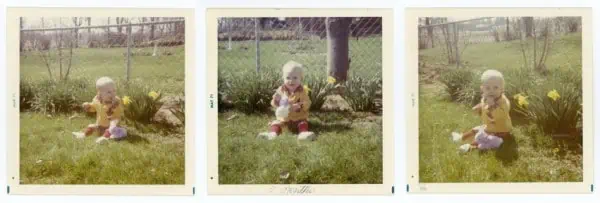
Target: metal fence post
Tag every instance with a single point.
(257, 37)
(229, 24)
(456, 45)
(129, 44)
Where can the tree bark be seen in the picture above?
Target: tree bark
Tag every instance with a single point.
(337, 47)
(152, 28)
(430, 31)
(508, 37)
(528, 26)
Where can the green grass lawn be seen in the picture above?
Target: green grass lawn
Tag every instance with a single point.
(348, 150)
(529, 157)
(49, 154)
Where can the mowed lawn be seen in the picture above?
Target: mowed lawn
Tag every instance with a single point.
(348, 149)
(49, 154)
(529, 157)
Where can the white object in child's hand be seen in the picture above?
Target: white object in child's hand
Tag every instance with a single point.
(464, 148)
(283, 109)
(456, 137)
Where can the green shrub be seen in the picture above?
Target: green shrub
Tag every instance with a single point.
(362, 93)
(26, 94)
(250, 91)
(470, 94)
(458, 83)
(560, 116)
(140, 106)
(318, 90)
(60, 96)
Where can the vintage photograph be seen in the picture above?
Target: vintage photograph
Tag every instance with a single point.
(500, 99)
(300, 100)
(101, 100)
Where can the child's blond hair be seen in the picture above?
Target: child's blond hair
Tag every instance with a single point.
(104, 82)
(492, 74)
(293, 66)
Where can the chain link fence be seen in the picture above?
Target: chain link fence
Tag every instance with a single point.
(267, 43)
(66, 42)
(454, 37)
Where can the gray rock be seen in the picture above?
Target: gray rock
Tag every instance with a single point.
(165, 114)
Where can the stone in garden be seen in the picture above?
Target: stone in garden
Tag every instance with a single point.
(165, 115)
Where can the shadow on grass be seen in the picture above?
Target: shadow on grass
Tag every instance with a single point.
(508, 151)
(134, 138)
(319, 127)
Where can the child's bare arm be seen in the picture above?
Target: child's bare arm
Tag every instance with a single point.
(87, 107)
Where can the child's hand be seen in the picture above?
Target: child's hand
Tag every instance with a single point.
(296, 107)
(276, 99)
(87, 106)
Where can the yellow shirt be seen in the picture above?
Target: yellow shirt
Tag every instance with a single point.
(298, 96)
(500, 121)
(102, 117)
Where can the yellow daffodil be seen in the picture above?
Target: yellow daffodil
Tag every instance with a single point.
(153, 94)
(522, 101)
(553, 95)
(516, 96)
(330, 80)
(126, 100)
(306, 88)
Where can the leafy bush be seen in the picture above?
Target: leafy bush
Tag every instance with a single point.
(555, 107)
(250, 92)
(362, 93)
(141, 103)
(26, 94)
(60, 96)
(459, 83)
(318, 91)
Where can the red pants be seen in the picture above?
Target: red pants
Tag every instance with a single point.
(301, 125)
(100, 129)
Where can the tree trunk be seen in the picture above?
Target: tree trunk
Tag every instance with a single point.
(89, 23)
(508, 37)
(119, 28)
(528, 26)
(152, 28)
(142, 27)
(76, 23)
(430, 31)
(337, 47)
(21, 41)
